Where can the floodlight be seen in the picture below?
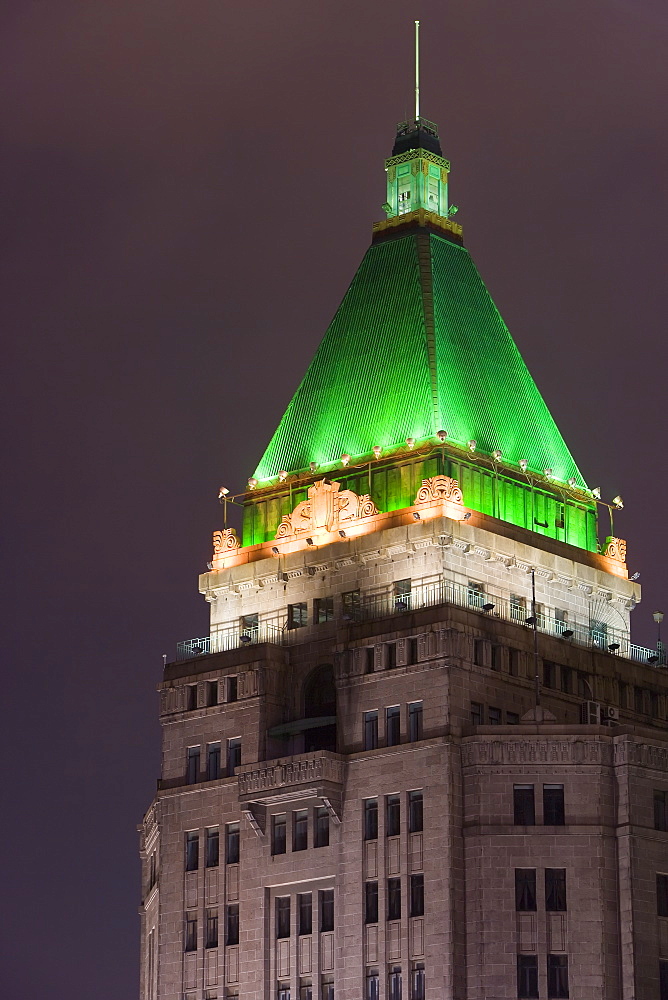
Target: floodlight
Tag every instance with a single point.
(523, 464)
(441, 435)
(572, 482)
(416, 515)
(245, 638)
(410, 442)
(467, 516)
(568, 633)
(252, 482)
(636, 576)
(531, 620)
(222, 492)
(472, 444)
(596, 492)
(377, 450)
(274, 549)
(618, 502)
(613, 647)
(488, 607)
(342, 533)
(313, 466)
(282, 476)
(547, 473)
(309, 541)
(497, 455)
(345, 459)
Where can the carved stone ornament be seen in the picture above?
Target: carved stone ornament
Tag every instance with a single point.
(327, 507)
(225, 541)
(439, 488)
(615, 548)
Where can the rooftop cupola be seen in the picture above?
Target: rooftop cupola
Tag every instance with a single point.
(417, 173)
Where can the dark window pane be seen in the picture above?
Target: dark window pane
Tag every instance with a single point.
(283, 917)
(415, 721)
(370, 730)
(557, 976)
(525, 889)
(212, 693)
(278, 840)
(192, 851)
(370, 819)
(402, 595)
(512, 719)
(327, 910)
(372, 991)
(493, 716)
(323, 610)
(283, 991)
(662, 895)
(305, 904)
(394, 984)
(527, 977)
(297, 615)
(250, 625)
(321, 833)
(660, 810)
(553, 805)
(496, 657)
(524, 806)
(213, 761)
(211, 930)
(418, 982)
(191, 934)
(232, 924)
(390, 655)
(233, 755)
(351, 605)
(392, 726)
(370, 902)
(477, 714)
(415, 816)
(192, 697)
(232, 689)
(212, 842)
(566, 683)
(392, 815)
(663, 980)
(394, 899)
(417, 895)
(300, 830)
(192, 765)
(555, 890)
(232, 844)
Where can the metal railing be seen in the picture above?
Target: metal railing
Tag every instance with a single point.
(370, 607)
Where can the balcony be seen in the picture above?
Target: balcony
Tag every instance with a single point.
(312, 775)
(371, 607)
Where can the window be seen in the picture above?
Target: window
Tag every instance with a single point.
(392, 726)
(390, 655)
(525, 890)
(232, 689)
(278, 840)
(549, 674)
(553, 805)
(392, 815)
(524, 805)
(517, 608)
(212, 761)
(212, 693)
(660, 810)
(477, 714)
(191, 700)
(493, 716)
(402, 595)
(306, 991)
(305, 912)
(212, 841)
(418, 982)
(415, 728)
(232, 844)
(250, 624)
(350, 605)
(512, 719)
(566, 682)
(283, 917)
(372, 991)
(513, 662)
(323, 610)
(192, 851)
(371, 819)
(152, 870)
(527, 977)
(560, 620)
(412, 651)
(283, 991)
(394, 983)
(661, 895)
(370, 730)
(663, 980)
(211, 929)
(584, 686)
(417, 896)
(321, 831)
(232, 923)
(476, 594)
(297, 615)
(555, 890)
(190, 943)
(496, 657)
(192, 765)
(394, 899)
(479, 652)
(233, 755)
(300, 830)
(415, 817)
(327, 991)
(370, 902)
(370, 660)
(557, 976)
(326, 910)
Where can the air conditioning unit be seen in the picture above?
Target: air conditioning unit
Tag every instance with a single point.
(610, 714)
(590, 713)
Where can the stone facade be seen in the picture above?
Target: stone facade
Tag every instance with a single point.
(395, 667)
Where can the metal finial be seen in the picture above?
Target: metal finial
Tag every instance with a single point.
(417, 70)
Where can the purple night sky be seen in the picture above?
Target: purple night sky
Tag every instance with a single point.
(188, 190)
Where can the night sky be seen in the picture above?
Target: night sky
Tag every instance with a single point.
(188, 189)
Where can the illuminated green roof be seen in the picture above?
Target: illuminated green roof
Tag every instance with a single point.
(417, 346)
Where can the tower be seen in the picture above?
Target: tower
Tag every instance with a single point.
(417, 756)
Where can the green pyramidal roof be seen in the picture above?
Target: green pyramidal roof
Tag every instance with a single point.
(417, 346)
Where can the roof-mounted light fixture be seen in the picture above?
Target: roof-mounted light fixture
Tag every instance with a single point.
(342, 533)
(572, 482)
(618, 502)
(309, 541)
(313, 466)
(377, 450)
(497, 455)
(441, 435)
(282, 476)
(223, 492)
(252, 482)
(523, 464)
(467, 516)
(488, 607)
(473, 444)
(596, 492)
(416, 515)
(547, 473)
(344, 460)
(410, 442)
(613, 647)
(274, 549)
(568, 633)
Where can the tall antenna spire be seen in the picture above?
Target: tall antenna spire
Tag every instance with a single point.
(417, 70)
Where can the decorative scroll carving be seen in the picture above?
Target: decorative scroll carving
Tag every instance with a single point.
(225, 540)
(329, 507)
(439, 488)
(615, 548)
